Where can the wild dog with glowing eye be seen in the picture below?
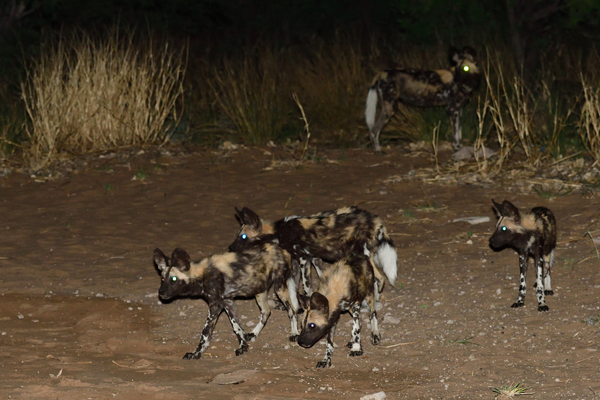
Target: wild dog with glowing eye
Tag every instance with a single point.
(450, 87)
(221, 278)
(531, 234)
(328, 236)
(343, 288)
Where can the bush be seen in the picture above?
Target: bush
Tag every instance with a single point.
(85, 95)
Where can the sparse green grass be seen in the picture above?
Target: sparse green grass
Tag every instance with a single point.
(105, 168)
(549, 194)
(568, 262)
(408, 214)
(467, 340)
(107, 188)
(510, 390)
(429, 206)
(140, 175)
(591, 321)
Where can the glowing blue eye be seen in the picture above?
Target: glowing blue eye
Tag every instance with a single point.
(174, 278)
(466, 68)
(244, 236)
(503, 228)
(312, 325)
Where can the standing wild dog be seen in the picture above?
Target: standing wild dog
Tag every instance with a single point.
(328, 236)
(443, 87)
(221, 278)
(531, 234)
(343, 288)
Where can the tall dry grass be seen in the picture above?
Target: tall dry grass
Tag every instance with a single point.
(332, 83)
(524, 120)
(251, 92)
(589, 124)
(86, 95)
(250, 95)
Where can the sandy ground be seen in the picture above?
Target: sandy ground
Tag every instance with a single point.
(80, 316)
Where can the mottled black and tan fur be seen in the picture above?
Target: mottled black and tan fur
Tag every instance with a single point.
(342, 288)
(328, 236)
(221, 278)
(450, 87)
(531, 234)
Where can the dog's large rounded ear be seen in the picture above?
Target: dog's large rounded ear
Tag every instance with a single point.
(251, 219)
(239, 215)
(497, 209)
(181, 259)
(304, 301)
(510, 211)
(320, 303)
(161, 260)
(454, 56)
(469, 53)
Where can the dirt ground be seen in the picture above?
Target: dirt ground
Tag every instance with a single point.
(80, 316)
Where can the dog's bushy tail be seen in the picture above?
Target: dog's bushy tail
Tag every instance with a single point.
(385, 257)
(371, 108)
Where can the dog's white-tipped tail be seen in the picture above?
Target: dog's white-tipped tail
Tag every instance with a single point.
(386, 259)
(371, 108)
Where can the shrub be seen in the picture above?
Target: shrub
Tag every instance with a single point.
(85, 95)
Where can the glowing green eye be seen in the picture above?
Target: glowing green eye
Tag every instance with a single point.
(174, 278)
(466, 68)
(503, 228)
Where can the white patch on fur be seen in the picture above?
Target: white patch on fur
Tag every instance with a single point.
(257, 330)
(374, 325)
(530, 243)
(371, 109)
(290, 217)
(294, 327)
(319, 272)
(293, 291)
(547, 282)
(366, 251)
(387, 260)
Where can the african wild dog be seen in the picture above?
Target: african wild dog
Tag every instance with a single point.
(343, 287)
(531, 234)
(221, 278)
(327, 236)
(443, 87)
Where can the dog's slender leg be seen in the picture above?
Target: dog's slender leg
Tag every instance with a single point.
(237, 328)
(522, 284)
(265, 313)
(539, 290)
(326, 362)
(214, 309)
(354, 345)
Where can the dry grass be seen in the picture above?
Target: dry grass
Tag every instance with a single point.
(510, 105)
(510, 391)
(85, 95)
(590, 120)
(333, 84)
(250, 92)
(525, 119)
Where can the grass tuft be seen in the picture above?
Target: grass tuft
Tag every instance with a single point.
(510, 390)
(86, 95)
